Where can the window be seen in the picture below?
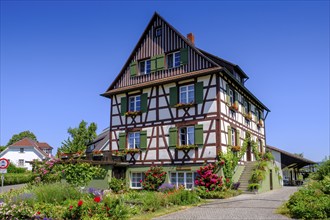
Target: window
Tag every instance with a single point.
(21, 150)
(186, 179)
(136, 179)
(187, 135)
(247, 122)
(134, 140)
(259, 115)
(21, 163)
(173, 60)
(158, 32)
(238, 77)
(135, 103)
(187, 94)
(231, 97)
(246, 106)
(233, 136)
(145, 67)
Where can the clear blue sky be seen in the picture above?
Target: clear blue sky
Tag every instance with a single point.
(58, 56)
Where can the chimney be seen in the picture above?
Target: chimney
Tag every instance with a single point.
(191, 38)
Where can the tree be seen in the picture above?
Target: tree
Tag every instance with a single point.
(2, 148)
(20, 136)
(80, 137)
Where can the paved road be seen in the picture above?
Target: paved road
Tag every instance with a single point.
(8, 188)
(245, 206)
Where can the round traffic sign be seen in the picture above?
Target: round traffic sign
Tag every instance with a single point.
(4, 163)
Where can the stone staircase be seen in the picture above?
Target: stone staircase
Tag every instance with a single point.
(245, 176)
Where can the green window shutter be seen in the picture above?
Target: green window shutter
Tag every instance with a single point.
(133, 68)
(199, 92)
(153, 64)
(229, 135)
(160, 63)
(237, 138)
(184, 56)
(123, 104)
(143, 140)
(199, 137)
(144, 102)
(173, 96)
(122, 141)
(173, 137)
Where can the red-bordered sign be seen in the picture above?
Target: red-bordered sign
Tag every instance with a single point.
(4, 163)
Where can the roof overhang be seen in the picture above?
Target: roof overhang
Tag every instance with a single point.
(289, 160)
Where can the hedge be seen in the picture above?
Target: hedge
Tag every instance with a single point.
(17, 178)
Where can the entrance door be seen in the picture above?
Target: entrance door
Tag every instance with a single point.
(119, 172)
(271, 179)
(248, 153)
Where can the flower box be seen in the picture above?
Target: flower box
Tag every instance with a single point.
(119, 158)
(248, 116)
(260, 123)
(129, 151)
(97, 153)
(235, 148)
(186, 147)
(133, 113)
(117, 153)
(185, 105)
(234, 106)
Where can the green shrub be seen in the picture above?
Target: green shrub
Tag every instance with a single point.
(117, 185)
(18, 178)
(217, 194)
(116, 208)
(48, 210)
(16, 211)
(257, 176)
(13, 169)
(55, 193)
(80, 174)
(322, 171)
(253, 186)
(312, 201)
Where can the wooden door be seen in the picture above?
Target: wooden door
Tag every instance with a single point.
(248, 153)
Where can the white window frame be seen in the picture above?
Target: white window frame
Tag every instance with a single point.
(176, 183)
(146, 63)
(21, 163)
(134, 138)
(136, 100)
(175, 63)
(136, 176)
(233, 137)
(185, 90)
(188, 132)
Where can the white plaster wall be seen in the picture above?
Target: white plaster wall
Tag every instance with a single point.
(210, 152)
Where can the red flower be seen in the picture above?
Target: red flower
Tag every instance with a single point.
(70, 207)
(38, 213)
(80, 202)
(97, 199)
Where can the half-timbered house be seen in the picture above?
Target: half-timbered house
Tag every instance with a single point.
(178, 106)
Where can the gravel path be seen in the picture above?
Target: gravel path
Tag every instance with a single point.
(245, 206)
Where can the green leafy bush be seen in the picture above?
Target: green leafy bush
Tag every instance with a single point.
(253, 186)
(116, 208)
(217, 194)
(117, 185)
(16, 211)
(80, 174)
(312, 201)
(151, 202)
(183, 197)
(14, 169)
(18, 178)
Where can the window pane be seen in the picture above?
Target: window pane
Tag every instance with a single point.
(183, 136)
(170, 61)
(148, 66)
(173, 179)
(191, 135)
(142, 67)
(131, 103)
(177, 59)
(181, 179)
(191, 96)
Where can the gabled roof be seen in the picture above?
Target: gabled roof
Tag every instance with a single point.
(44, 145)
(27, 142)
(101, 140)
(219, 65)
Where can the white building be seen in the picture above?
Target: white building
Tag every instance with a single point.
(26, 150)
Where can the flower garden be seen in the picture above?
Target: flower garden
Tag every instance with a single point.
(58, 191)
